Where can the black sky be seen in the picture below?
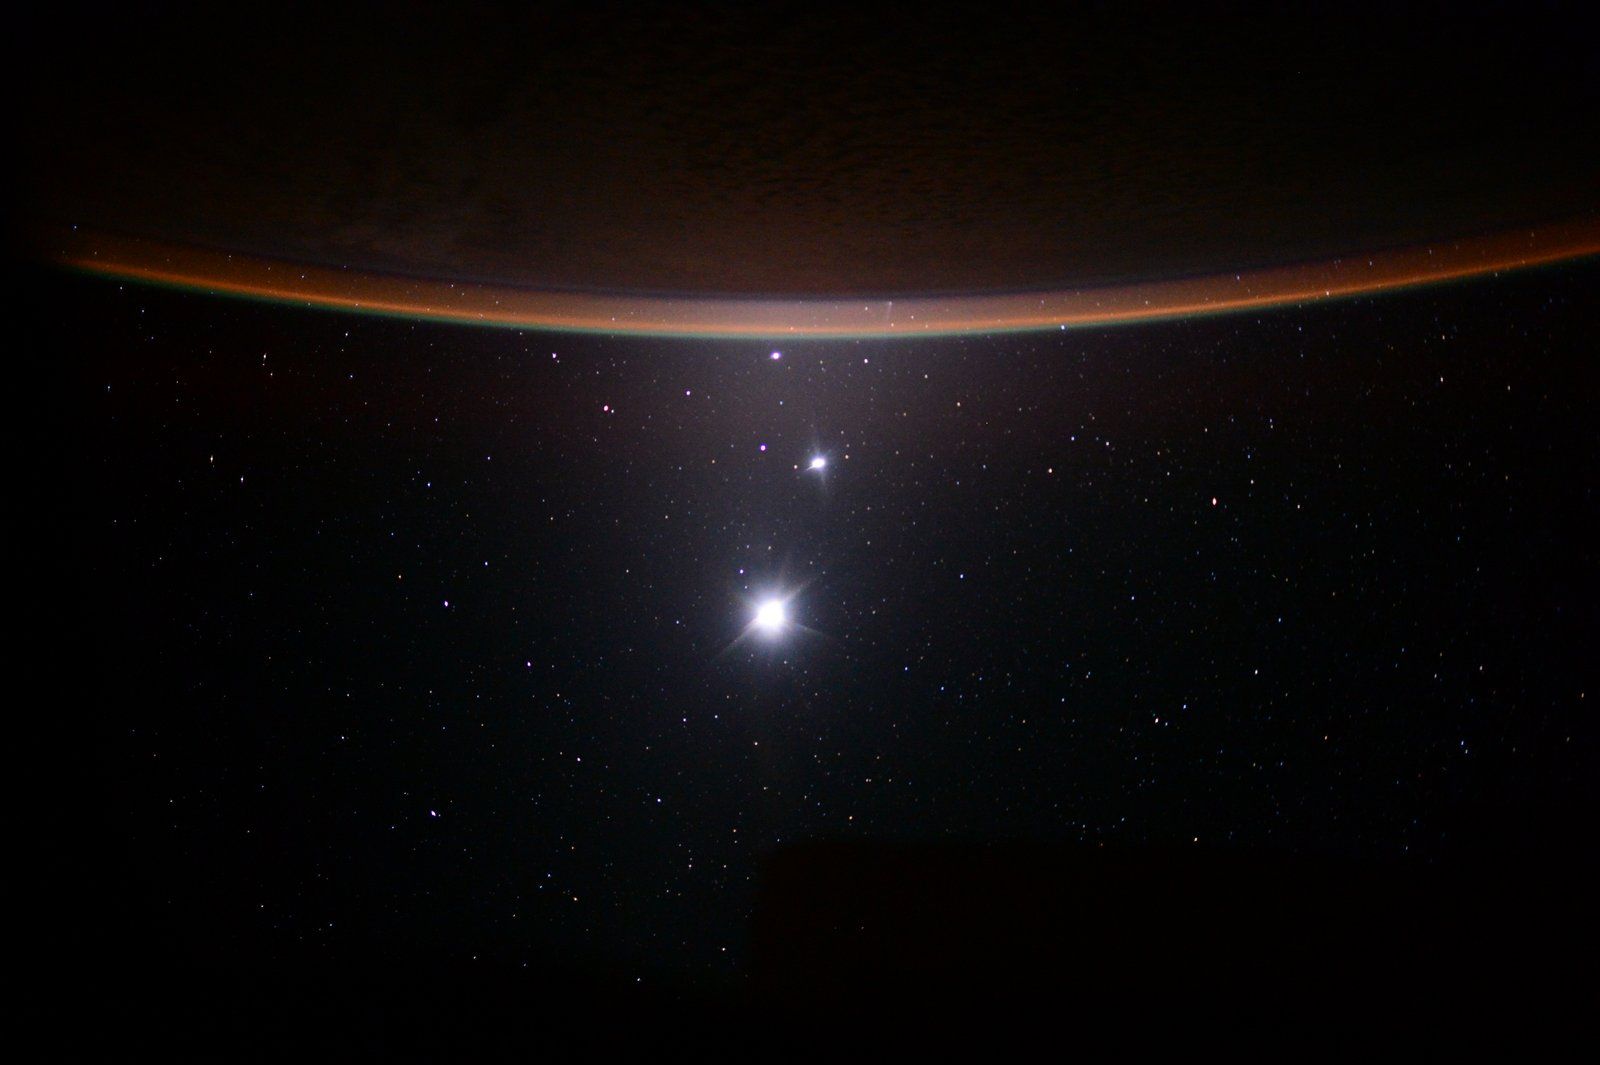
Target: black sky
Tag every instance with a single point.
(400, 645)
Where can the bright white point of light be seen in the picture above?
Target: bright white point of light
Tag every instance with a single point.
(819, 463)
(776, 355)
(771, 616)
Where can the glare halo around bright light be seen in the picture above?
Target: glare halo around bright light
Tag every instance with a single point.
(771, 617)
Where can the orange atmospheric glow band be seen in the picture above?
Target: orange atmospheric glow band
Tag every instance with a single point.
(205, 270)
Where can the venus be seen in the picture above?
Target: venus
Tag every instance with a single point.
(771, 617)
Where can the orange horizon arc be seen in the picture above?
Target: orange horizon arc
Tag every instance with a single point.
(508, 306)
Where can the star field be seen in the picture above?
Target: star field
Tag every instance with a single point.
(418, 635)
